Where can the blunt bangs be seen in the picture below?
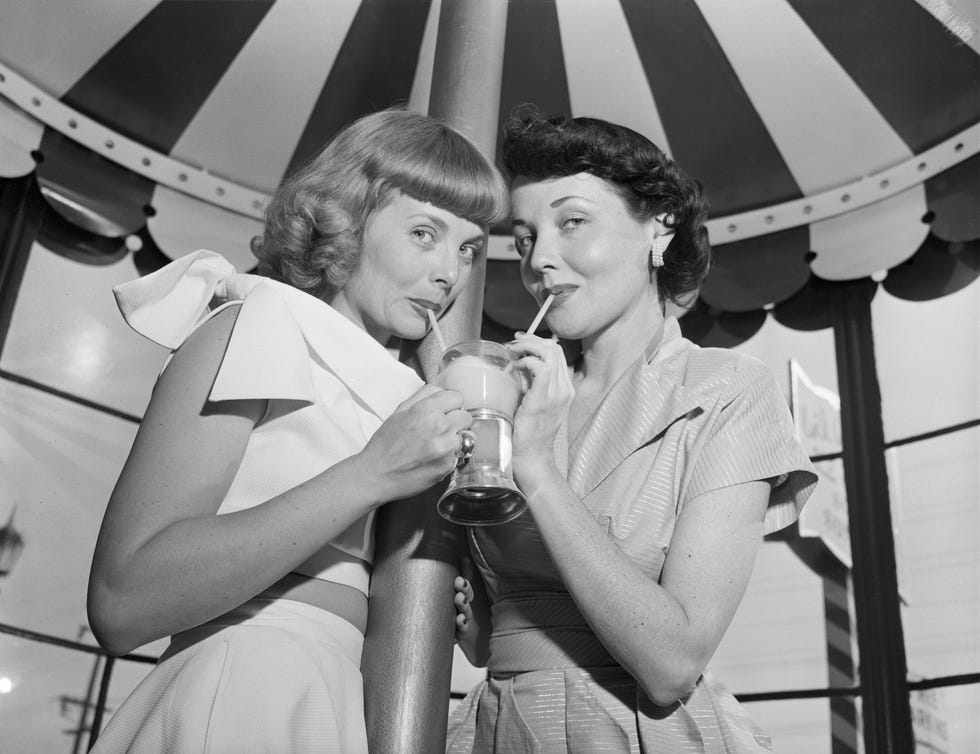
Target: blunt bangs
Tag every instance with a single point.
(435, 164)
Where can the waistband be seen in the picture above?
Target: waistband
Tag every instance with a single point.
(540, 631)
(293, 617)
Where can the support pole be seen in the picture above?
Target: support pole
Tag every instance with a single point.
(886, 713)
(408, 647)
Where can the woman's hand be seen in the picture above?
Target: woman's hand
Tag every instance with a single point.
(544, 407)
(473, 622)
(417, 445)
(464, 607)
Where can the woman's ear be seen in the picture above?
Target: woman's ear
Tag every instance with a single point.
(662, 236)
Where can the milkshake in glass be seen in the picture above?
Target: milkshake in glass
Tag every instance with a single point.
(481, 489)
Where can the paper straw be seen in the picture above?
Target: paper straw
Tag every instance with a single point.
(435, 330)
(540, 315)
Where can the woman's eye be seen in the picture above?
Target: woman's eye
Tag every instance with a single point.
(524, 244)
(572, 223)
(424, 235)
(468, 251)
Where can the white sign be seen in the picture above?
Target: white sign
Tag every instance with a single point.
(929, 721)
(816, 415)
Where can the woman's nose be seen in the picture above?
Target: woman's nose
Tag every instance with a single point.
(542, 256)
(446, 271)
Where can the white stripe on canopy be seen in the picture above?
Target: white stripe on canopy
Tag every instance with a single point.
(607, 79)
(258, 112)
(73, 36)
(827, 131)
(183, 224)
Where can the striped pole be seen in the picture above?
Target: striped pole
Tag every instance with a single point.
(841, 656)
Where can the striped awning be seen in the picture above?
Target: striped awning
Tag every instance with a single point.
(837, 139)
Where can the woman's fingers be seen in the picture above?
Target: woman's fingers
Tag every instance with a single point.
(463, 600)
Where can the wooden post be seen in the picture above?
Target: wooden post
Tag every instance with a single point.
(408, 648)
(886, 714)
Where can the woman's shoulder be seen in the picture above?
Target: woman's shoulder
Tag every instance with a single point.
(704, 367)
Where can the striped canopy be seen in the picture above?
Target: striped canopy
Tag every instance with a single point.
(837, 139)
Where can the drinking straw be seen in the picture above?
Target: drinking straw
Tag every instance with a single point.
(435, 330)
(540, 315)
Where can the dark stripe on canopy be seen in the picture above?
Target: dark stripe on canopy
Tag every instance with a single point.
(953, 197)
(151, 84)
(373, 70)
(937, 269)
(715, 134)
(918, 75)
(534, 67)
(749, 274)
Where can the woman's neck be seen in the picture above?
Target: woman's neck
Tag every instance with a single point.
(607, 355)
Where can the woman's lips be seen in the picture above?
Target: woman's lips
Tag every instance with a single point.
(561, 292)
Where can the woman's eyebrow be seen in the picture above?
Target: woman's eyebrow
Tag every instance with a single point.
(561, 200)
(437, 221)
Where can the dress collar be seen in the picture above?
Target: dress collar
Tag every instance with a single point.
(644, 401)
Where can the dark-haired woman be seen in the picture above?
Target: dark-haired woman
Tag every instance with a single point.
(609, 596)
(241, 523)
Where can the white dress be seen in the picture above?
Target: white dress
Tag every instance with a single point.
(271, 675)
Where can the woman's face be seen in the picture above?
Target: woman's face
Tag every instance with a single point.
(414, 256)
(578, 240)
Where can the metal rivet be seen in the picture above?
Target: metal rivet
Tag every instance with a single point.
(219, 191)
(770, 219)
(182, 176)
(731, 228)
(922, 166)
(958, 147)
(885, 183)
(110, 144)
(35, 101)
(2, 78)
(845, 198)
(807, 209)
(146, 161)
(73, 123)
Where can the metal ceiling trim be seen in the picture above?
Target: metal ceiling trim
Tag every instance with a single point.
(130, 154)
(202, 184)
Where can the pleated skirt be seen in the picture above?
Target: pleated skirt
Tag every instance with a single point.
(594, 710)
(271, 676)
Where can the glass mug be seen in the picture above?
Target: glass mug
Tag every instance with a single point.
(481, 490)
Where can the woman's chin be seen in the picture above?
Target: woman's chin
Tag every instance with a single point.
(410, 331)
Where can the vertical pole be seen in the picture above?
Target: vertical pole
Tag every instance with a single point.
(408, 647)
(83, 722)
(886, 713)
(96, 728)
(840, 659)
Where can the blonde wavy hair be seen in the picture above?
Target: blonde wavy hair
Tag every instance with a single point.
(316, 218)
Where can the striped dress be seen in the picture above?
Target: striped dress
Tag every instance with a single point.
(682, 421)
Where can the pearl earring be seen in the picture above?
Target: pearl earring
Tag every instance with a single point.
(660, 244)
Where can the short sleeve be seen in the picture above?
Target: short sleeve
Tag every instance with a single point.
(267, 356)
(751, 439)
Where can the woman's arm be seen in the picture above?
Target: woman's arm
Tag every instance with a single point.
(663, 634)
(164, 562)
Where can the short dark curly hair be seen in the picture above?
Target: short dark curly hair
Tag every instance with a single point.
(316, 218)
(539, 147)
